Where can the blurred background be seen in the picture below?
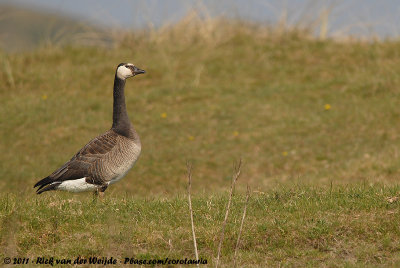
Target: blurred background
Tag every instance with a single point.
(25, 24)
(303, 91)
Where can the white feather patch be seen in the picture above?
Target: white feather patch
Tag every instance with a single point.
(79, 185)
(123, 72)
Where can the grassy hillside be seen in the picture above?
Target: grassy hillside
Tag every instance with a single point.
(295, 109)
(303, 115)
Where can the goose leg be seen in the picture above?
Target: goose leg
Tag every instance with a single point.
(99, 193)
(96, 194)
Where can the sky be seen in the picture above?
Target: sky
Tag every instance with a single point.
(346, 17)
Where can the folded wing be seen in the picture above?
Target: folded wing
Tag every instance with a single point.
(87, 163)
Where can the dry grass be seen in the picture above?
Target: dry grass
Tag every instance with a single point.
(189, 175)
(235, 177)
(241, 226)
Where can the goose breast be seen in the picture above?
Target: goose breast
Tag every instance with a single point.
(120, 160)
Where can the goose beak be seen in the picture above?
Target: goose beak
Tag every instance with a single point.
(136, 71)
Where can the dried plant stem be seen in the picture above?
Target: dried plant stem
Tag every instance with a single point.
(9, 72)
(241, 225)
(189, 175)
(234, 179)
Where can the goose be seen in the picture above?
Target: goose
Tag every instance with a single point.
(106, 158)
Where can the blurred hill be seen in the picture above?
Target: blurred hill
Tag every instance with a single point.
(26, 29)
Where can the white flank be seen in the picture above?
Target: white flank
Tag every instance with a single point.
(123, 72)
(79, 185)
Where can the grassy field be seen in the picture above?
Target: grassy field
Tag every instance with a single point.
(303, 115)
(300, 226)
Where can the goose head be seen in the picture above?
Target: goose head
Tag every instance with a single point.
(126, 70)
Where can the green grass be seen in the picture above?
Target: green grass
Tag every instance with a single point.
(228, 90)
(301, 226)
(269, 92)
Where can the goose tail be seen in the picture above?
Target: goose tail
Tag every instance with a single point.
(48, 187)
(46, 184)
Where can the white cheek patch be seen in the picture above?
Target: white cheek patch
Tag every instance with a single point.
(123, 72)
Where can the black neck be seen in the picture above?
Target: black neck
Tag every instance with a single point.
(121, 123)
